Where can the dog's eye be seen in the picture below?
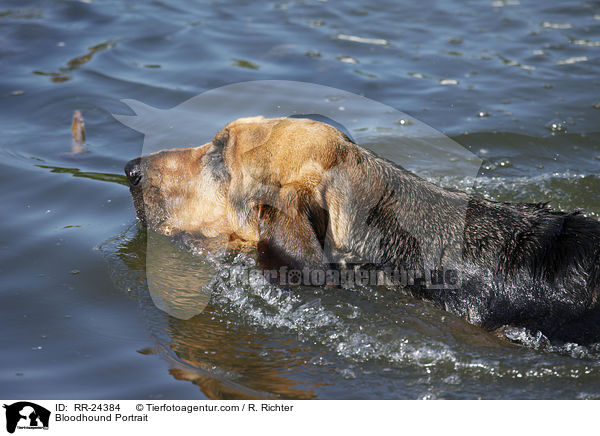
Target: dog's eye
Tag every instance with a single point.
(213, 160)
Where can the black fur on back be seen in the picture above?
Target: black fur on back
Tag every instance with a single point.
(520, 264)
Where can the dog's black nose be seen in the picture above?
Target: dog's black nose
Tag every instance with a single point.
(133, 171)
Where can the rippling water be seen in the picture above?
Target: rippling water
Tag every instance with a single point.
(515, 82)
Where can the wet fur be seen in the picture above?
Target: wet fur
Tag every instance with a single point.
(306, 196)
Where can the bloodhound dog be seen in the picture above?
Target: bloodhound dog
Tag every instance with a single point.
(306, 197)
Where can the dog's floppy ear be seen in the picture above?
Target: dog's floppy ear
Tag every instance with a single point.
(278, 176)
(292, 229)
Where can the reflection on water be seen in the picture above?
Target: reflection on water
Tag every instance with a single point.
(177, 281)
(514, 82)
(238, 361)
(226, 360)
(76, 172)
(64, 73)
(254, 340)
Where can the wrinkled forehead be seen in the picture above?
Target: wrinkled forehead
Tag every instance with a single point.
(246, 134)
(242, 136)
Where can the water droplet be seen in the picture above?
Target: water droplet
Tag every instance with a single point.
(348, 374)
(572, 60)
(363, 40)
(452, 380)
(347, 59)
(549, 25)
(557, 126)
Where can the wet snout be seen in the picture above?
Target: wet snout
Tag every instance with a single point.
(133, 171)
(181, 190)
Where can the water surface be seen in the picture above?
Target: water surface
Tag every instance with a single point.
(515, 82)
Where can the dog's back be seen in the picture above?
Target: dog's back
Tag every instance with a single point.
(529, 266)
(518, 263)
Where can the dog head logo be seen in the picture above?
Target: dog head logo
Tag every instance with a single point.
(26, 415)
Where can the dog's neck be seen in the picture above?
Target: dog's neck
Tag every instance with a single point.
(409, 222)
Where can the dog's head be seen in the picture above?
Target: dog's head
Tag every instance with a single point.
(259, 180)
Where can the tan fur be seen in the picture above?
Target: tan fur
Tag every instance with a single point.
(272, 162)
(176, 182)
